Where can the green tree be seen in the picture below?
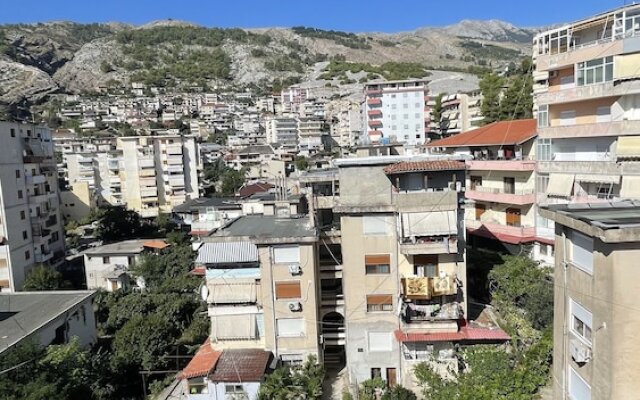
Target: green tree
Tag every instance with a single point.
(436, 112)
(399, 392)
(369, 389)
(491, 87)
(299, 382)
(117, 223)
(517, 102)
(301, 163)
(43, 278)
(168, 271)
(232, 180)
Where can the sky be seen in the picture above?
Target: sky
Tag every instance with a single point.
(345, 15)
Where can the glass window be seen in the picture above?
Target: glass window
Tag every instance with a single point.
(379, 302)
(543, 116)
(581, 251)
(581, 321)
(543, 150)
(594, 71)
(579, 389)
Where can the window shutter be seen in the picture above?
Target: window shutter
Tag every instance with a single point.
(286, 254)
(374, 225)
(377, 259)
(379, 299)
(288, 290)
(582, 251)
(290, 327)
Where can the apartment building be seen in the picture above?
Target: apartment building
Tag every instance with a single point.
(313, 135)
(263, 288)
(500, 189)
(292, 97)
(595, 302)
(108, 181)
(345, 122)
(586, 95)
(158, 172)
(284, 132)
(459, 112)
(397, 111)
(30, 220)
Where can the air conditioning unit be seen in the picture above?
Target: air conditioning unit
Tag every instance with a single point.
(295, 306)
(295, 269)
(579, 351)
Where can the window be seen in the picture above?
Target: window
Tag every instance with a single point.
(579, 389)
(406, 126)
(380, 341)
(425, 266)
(20, 194)
(475, 182)
(55, 236)
(27, 255)
(595, 71)
(543, 150)
(377, 264)
(23, 215)
(13, 132)
(405, 116)
(418, 105)
(374, 225)
(581, 321)
(405, 94)
(106, 260)
(25, 235)
(197, 386)
(233, 389)
(376, 373)
(292, 359)
(405, 106)
(509, 185)
(393, 117)
(417, 115)
(286, 254)
(567, 118)
(379, 302)
(17, 174)
(290, 327)
(288, 290)
(543, 116)
(581, 252)
(480, 209)
(394, 106)
(603, 114)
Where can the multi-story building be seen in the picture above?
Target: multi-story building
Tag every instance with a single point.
(345, 120)
(500, 189)
(283, 131)
(313, 135)
(30, 227)
(595, 301)
(586, 96)
(397, 110)
(292, 97)
(460, 112)
(158, 172)
(108, 181)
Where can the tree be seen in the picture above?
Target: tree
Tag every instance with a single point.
(301, 163)
(232, 180)
(43, 278)
(117, 223)
(436, 113)
(168, 271)
(491, 86)
(517, 102)
(299, 382)
(370, 389)
(399, 392)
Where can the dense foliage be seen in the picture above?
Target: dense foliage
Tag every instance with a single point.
(43, 278)
(346, 39)
(484, 50)
(117, 223)
(222, 179)
(514, 102)
(298, 382)
(389, 70)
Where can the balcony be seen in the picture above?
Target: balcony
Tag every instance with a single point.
(174, 150)
(331, 299)
(148, 192)
(495, 195)
(429, 245)
(612, 128)
(572, 55)
(588, 92)
(429, 200)
(324, 202)
(146, 162)
(373, 92)
(374, 102)
(375, 113)
(174, 160)
(113, 165)
(334, 336)
(148, 212)
(145, 173)
(375, 133)
(502, 165)
(36, 179)
(329, 269)
(502, 232)
(375, 123)
(43, 257)
(433, 312)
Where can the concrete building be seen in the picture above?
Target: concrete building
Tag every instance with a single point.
(345, 122)
(206, 214)
(500, 190)
(78, 202)
(397, 111)
(263, 288)
(158, 172)
(47, 318)
(106, 267)
(284, 132)
(313, 135)
(460, 112)
(595, 303)
(30, 220)
(586, 95)
(292, 97)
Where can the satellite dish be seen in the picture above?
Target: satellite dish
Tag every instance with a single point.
(204, 292)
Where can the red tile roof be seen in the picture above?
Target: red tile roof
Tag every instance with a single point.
(495, 134)
(242, 365)
(465, 333)
(415, 166)
(254, 188)
(156, 244)
(202, 362)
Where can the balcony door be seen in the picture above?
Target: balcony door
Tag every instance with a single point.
(480, 209)
(475, 182)
(509, 185)
(513, 217)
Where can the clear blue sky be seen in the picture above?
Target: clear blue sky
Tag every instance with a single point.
(347, 15)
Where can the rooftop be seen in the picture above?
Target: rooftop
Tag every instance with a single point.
(206, 202)
(202, 362)
(242, 365)
(134, 246)
(496, 134)
(621, 215)
(319, 175)
(386, 160)
(257, 149)
(261, 227)
(24, 313)
(420, 166)
(260, 187)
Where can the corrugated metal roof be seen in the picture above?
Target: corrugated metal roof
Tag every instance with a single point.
(242, 365)
(496, 134)
(227, 253)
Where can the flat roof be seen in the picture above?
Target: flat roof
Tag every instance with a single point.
(24, 313)
(262, 227)
(204, 202)
(385, 160)
(133, 246)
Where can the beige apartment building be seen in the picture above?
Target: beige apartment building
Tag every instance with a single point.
(596, 315)
(460, 112)
(262, 285)
(586, 93)
(30, 221)
(157, 173)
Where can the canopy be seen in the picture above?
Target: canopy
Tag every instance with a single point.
(429, 224)
(560, 185)
(628, 147)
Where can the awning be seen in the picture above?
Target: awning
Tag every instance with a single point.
(230, 327)
(233, 292)
(560, 185)
(628, 147)
(227, 253)
(615, 179)
(630, 188)
(232, 310)
(429, 224)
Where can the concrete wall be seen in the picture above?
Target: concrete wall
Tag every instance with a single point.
(364, 186)
(76, 203)
(95, 268)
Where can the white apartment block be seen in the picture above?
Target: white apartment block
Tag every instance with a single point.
(30, 224)
(397, 111)
(158, 172)
(283, 131)
(292, 97)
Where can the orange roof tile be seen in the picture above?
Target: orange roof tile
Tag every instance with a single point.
(415, 166)
(465, 333)
(156, 244)
(495, 134)
(202, 363)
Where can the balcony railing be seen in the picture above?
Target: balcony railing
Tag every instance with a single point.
(433, 312)
(525, 164)
(496, 195)
(429, 245)
(497, 228)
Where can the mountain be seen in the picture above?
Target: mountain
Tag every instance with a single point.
(39, 59)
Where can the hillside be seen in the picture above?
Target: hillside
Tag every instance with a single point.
(39, 59)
